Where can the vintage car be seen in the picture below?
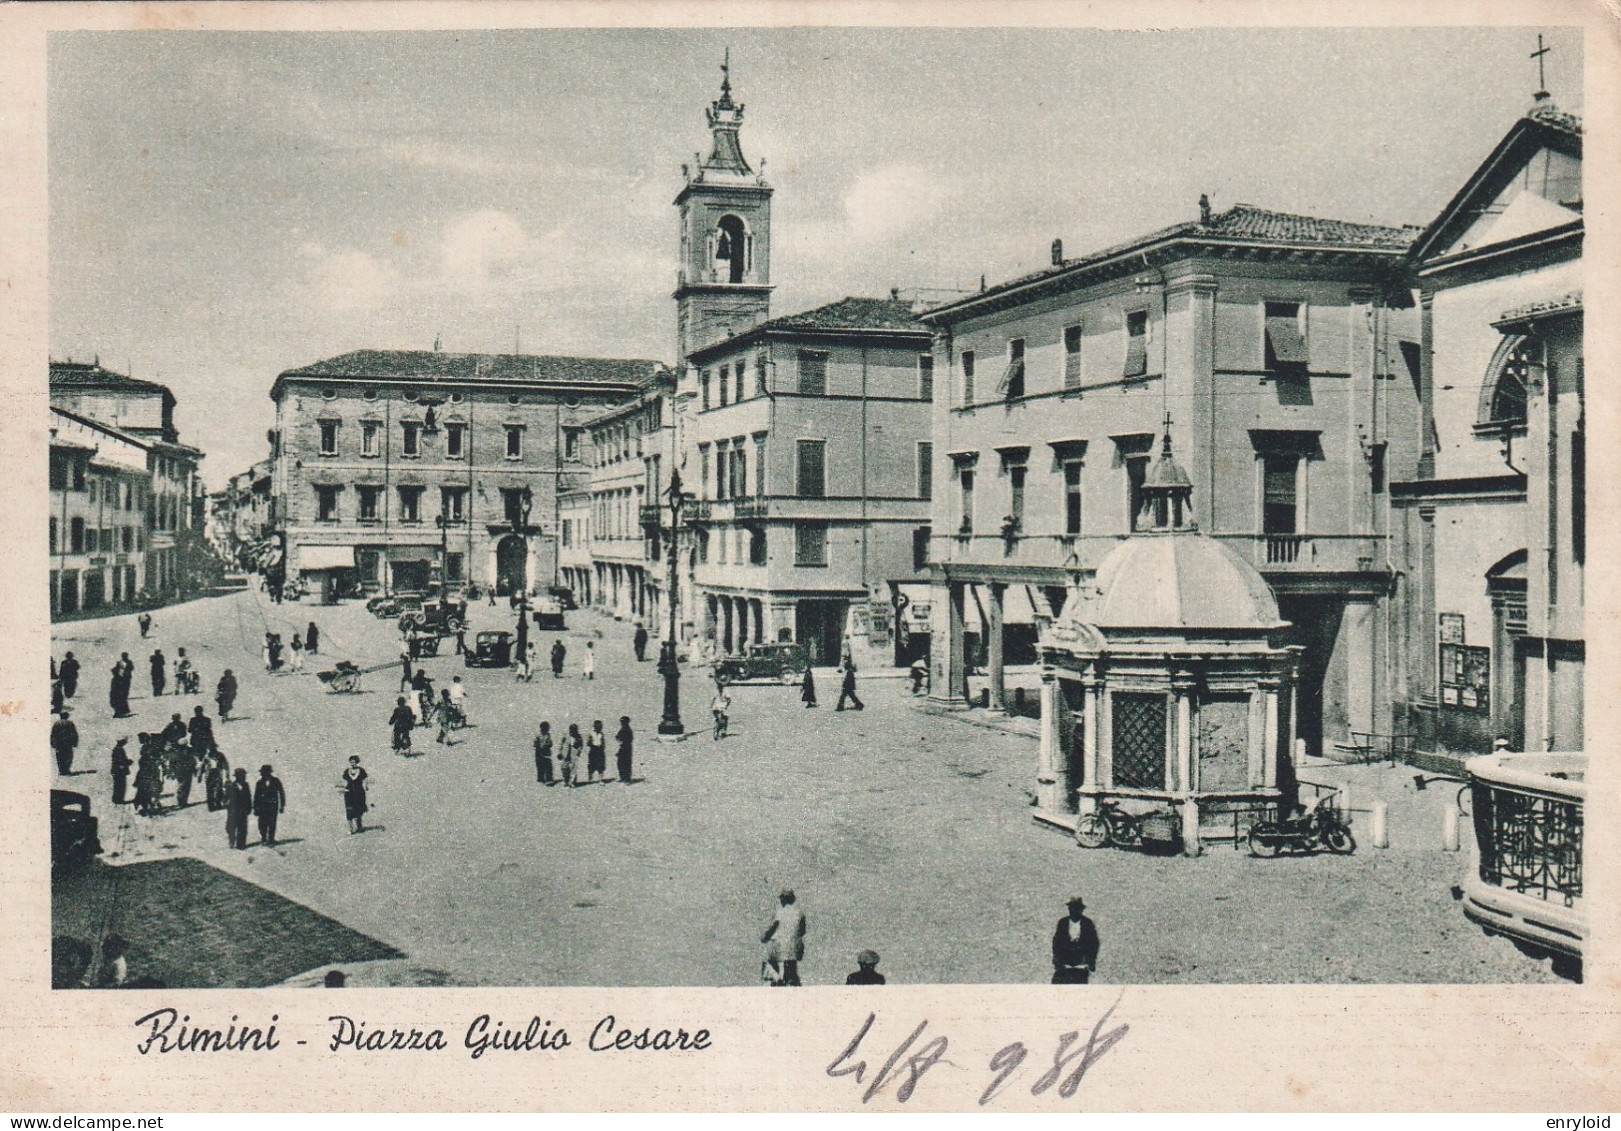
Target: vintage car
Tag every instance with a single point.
(74, 839)
(564, 597)
(785, 663)
(490, 650)
(438, 616)
(548, 614)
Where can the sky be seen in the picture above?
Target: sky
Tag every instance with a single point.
(226, 206)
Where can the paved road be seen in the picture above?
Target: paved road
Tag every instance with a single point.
(901, 831)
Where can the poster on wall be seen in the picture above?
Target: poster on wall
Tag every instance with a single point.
(1451, 629)
(1465, 677)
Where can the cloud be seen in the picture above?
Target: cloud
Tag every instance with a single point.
(484, 247)
(346, 279)
(892, 199)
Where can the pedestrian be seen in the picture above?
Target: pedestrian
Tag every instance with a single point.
(225, 694)
(145, 621)
(265, 653)
(866, 973)
(238, 804)
(114, 965)
(122, 764)
(406, 673)
(461, 639)
(543, 754)
(458, 699)
(172, 735)
(847, 689)
(354, 786)
(444, 712)
(402, 720)
(200, 730)
(160, 668)
(269, 802)
(569, 755)
(588, 666)
(625, 738)
(148, 778)
(216, 777)
(785, 940)
(58, 700)
(807, 688)
(1075, 947)
(312, 639)
(920, 674)
(639, 642)
(183, 764)
(720, 707)
(492, 596)
(596, 753)
(182, 672)
(68, 672)
(64, 741)
(524, 673)
(558, 654)
(275, 651)
(295, 661)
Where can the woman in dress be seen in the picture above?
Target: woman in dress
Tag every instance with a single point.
(569, 754)
(354, 789)
(543, 755)
(312, 638)
(596, 753)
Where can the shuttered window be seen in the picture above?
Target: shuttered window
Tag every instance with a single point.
(1136, 343)
(1285, 344)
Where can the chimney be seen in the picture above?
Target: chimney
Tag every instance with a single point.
(894, 294)
(1204, 209)
(1058, 253)
(982, 282)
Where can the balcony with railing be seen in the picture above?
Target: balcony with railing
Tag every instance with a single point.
(1311, 553)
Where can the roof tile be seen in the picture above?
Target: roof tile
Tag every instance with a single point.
(435, 365)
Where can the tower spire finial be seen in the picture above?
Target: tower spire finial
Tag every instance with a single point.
(1542, 79)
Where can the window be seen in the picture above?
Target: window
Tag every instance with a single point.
(920, 547)
(1578, 494)
(813, 373)
(369, 498)
(759, 375)
(326, 499)
(1136, 472)
(76, 536)
(453, 503)
(731, 250)
(453, 565)
(965, 480)
(810, 543)
(1012, 383)
(1072, 496)
(90, 542)
(1285, 336)
(740, 468)
(1504, 401)
(93, 485)
(703, 471)
(722, 469)
(1136, 343)
(1376, 468)
(410, 504)
(514, 441)
(571, 443)
(512, 505)
(925, 470)
(967, 376)
(1016, 474)
(925, 376)
(1072, 357)
(78, 474)
(1279, 510)
(410, 438)
(1138, 728)
(454, 435)
(368, 439)
(757, 545)
(759, 463)
(703, 388)
(128, 539)
(329, 437)
(725, 382)
(811, 479)
(53, 535)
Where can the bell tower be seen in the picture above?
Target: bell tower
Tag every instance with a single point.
(725, 283)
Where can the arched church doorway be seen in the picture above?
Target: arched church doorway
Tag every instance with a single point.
(511, 565)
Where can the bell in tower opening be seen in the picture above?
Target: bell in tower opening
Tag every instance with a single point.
(731, 251)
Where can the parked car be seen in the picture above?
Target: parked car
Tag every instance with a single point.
(442, 616)
(548, 614)
(785, 663)
(490, 650)
(564, 596)
(74, 839)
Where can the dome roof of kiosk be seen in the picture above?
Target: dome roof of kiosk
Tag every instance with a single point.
(1178, 580)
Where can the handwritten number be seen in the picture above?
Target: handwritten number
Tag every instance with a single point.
(927, 1057)
(1060, 1062)
(1095, 1048)
(860, 1066)
(1004, 1064)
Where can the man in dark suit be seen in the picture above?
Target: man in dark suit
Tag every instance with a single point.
(64, 741)
(238, 804)
(269, 802)
(1075, 947)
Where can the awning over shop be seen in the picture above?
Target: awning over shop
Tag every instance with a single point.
(326, 557)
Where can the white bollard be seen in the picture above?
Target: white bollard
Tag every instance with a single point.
(1449, 829)
(1379, 833)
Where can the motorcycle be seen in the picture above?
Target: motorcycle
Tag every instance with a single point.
(1110, 824)
(1318, 828)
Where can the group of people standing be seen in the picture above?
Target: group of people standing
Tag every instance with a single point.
(560, 763)
(295, 649)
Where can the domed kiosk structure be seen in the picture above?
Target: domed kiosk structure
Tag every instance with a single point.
(1164, 684)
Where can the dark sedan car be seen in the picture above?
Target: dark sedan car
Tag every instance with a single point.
(785, 663)
(74, 839)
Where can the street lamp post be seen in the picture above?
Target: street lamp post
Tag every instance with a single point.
(444, 553)
(670, 725)
(526, 503)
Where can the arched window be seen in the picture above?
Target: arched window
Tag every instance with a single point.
(731, 249)
(1503, 396)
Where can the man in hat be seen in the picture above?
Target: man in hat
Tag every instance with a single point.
(238, 804)
(269, 802)
(866, 973)
(64, 741)
(68, 672)
(1075, 947)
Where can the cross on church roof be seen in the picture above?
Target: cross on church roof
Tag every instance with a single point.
(1542, 80)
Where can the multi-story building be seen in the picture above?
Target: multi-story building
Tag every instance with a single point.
(398, 469)
(241, 516)
(144, 411)
(814, 466)
(1274, 343)
(619, 566)
(100, 486)
(1494, 523)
